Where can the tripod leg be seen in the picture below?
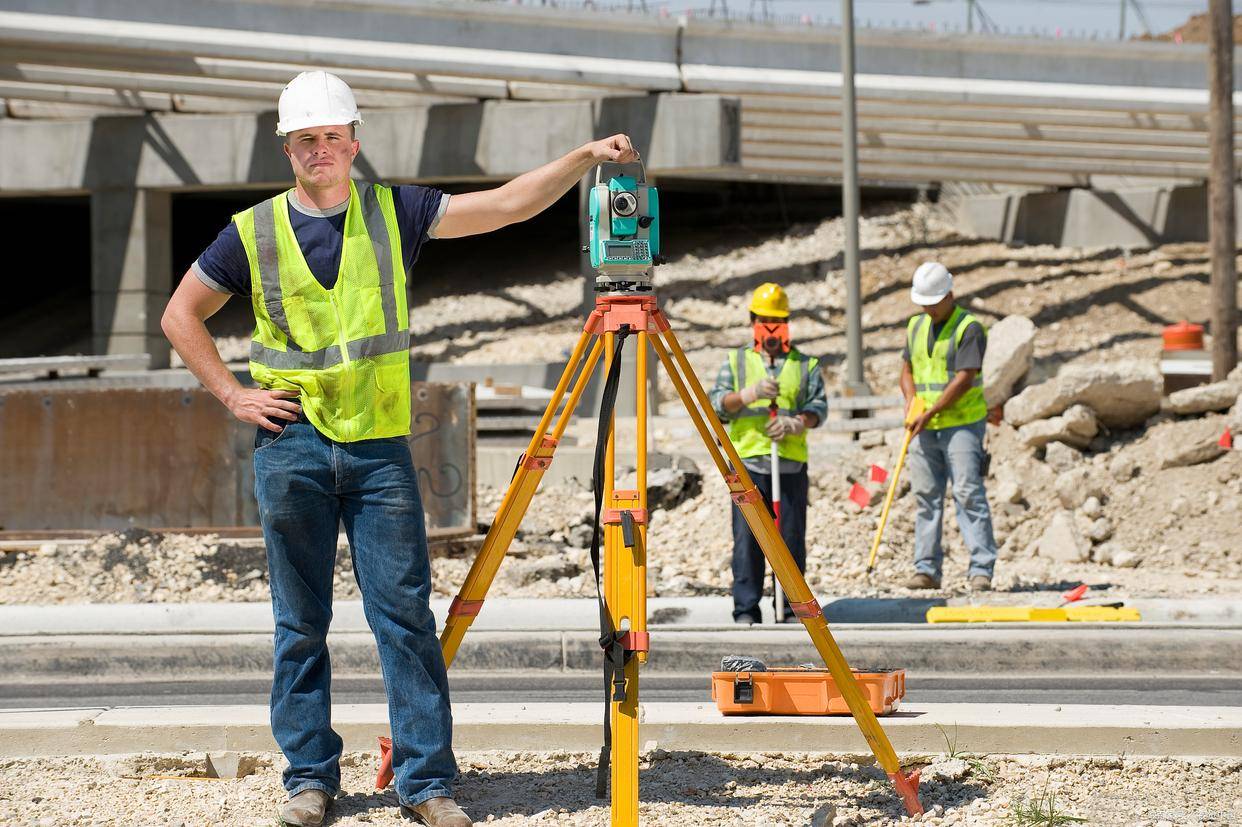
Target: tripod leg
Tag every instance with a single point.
(750, 503)
(513, 507)
(625, 594)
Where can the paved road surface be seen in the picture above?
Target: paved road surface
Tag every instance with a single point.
(563, 688)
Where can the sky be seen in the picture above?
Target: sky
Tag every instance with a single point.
(1076, 18)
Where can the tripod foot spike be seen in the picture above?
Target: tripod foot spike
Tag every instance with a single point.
(384, 777)
(907, 785)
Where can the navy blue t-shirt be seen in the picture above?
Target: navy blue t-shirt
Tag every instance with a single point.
(223, 266)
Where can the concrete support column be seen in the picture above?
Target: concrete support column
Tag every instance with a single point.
(131, 271)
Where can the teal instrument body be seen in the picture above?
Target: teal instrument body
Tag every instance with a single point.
(624, 215)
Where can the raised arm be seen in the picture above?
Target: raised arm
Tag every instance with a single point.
(183, 323)
(531, 193)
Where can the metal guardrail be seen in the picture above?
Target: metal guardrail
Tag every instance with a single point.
(101, 459)
(52, 367)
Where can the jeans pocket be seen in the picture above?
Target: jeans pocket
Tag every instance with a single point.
(263, 438)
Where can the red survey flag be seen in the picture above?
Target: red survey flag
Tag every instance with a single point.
(1075, 594)
(878, 474)
(1226, 439)
(860, 495)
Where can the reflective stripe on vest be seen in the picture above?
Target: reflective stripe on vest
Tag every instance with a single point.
(933, 372)
(344, 350)
(746, 430)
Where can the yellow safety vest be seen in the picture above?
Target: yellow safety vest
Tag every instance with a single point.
(746, 430)
(344, 351)
(933, 372)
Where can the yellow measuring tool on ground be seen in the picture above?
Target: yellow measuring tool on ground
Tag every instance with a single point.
(912, 413)
(1031, 614)
(626, 308)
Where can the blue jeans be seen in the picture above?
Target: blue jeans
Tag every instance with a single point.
(748, 560)
(307, 485)
(937, 457)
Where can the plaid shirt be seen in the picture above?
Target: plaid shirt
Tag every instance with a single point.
(816, 401)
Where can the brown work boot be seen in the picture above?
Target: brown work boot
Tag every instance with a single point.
(305, 809)
(980, 583)
(441, 811)
(922, 581)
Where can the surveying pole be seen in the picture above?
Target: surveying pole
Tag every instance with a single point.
(849, 208)
(1221, 227)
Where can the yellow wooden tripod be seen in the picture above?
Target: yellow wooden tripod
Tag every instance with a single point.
(625, 518)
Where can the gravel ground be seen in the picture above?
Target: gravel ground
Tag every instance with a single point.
(677, 789)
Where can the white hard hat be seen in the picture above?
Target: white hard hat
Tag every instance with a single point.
(316, 98)
(932, 282)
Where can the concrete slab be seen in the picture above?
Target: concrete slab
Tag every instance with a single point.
(972, 649)
(983, 728)
(533, 614)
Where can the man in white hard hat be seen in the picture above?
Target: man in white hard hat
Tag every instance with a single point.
(942, 363)
(324, 267)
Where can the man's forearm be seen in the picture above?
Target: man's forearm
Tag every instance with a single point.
(533, 192)
(960, 383)
(189, 337)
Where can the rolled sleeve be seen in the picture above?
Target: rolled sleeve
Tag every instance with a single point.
(724, 385)
(971, 349)
(816, 398)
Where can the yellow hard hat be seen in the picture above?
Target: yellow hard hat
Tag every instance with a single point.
(770, 300)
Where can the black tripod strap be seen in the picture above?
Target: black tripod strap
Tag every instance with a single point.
(609, 638)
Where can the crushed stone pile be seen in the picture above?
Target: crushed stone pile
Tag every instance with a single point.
(542, 788)
(1094, 478)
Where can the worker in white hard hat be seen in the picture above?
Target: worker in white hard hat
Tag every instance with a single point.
(942, 364)
(769, 371)
(325, 267)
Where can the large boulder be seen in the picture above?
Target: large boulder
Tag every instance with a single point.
(1062, 540)
(1218, 396)
(1011, 344)
(1074, 427)
(1122, 394)
(1190, 443)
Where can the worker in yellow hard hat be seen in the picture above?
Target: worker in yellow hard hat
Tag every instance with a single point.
(769, 392)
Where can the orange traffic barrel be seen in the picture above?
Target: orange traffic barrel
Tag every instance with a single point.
(1183, 336)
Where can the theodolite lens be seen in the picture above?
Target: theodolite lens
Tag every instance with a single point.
(624, 203)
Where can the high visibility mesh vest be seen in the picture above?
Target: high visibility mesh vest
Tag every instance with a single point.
(344, 351)
(932, 372)
(746, 430)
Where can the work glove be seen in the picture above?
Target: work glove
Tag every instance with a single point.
(765, 388)
(783, 426)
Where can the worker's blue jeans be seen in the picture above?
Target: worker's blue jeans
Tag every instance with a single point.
(748, 560)
(307, 486)
(937, 457)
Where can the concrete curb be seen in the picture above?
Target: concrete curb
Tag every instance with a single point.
(555, 614)
(982, 728)
(1045, 649)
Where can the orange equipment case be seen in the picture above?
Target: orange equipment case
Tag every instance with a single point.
(800, 691)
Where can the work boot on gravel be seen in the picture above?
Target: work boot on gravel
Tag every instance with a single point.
(922, 581)
(305, 809)
(980, 583)
(441, 811)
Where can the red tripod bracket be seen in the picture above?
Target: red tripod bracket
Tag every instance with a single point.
(464, 608)
(613, 515)
(810, 608)
(636, 641)
(750, 496)
(639, 313)
(539, 462)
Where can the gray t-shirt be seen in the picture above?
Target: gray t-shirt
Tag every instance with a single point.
(969, 352)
